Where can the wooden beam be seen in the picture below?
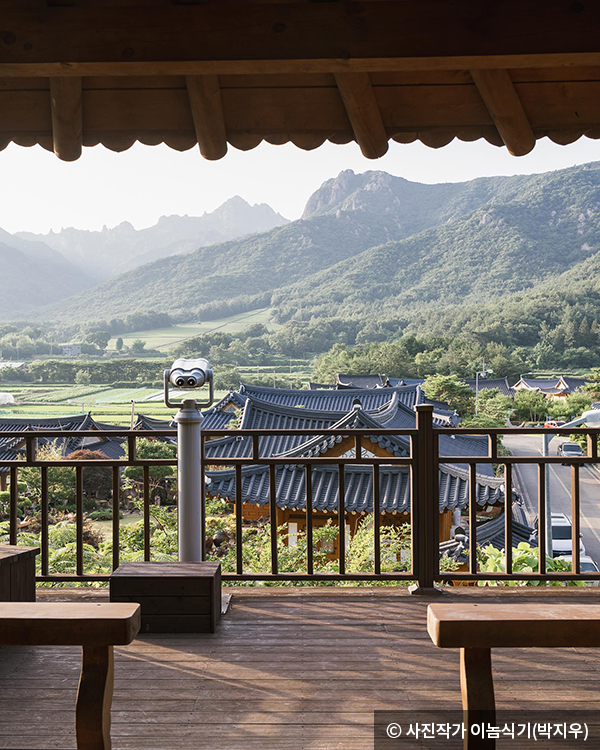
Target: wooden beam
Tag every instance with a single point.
(67, 121)
(207, 111)
(245, 38)
(363, 112)
(505, 108)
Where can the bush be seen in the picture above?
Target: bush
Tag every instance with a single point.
(102, 515)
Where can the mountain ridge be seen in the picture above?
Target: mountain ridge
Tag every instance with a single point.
(375, 245)
(112, 251)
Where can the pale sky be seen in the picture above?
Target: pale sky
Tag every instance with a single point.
(38, 192)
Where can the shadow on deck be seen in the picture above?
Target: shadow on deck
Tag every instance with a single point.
(287, 668)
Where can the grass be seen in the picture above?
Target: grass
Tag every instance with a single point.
(164, 339)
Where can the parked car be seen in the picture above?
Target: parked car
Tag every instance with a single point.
(569, 450)
(587, 565)
(562, 536)
(553, 423)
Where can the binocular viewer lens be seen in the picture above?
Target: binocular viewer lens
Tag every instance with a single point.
(182, 379)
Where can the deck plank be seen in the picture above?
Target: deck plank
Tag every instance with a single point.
(301, 669)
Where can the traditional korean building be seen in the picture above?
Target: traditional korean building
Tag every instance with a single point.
(553, 388)
(290, 479)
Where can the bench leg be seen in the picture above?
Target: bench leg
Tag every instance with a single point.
(477, 688)
(94, 698)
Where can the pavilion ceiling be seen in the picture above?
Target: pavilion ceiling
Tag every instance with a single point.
(76, 73)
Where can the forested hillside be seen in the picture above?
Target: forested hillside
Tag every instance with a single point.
(506, 259)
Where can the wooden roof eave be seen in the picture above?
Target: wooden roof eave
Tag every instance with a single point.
(197, 45)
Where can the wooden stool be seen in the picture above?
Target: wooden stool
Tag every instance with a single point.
(17, 573)
(175, 597)
(95, 627)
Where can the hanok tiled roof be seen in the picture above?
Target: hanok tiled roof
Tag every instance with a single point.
(573, 383)
(394, 488)
(10, 447)
(501, 384)
(490, 532)
(340, 400)
(320, 387)
(393, 382)
(112, 448)
(151, 423)
(359, 381)
(259, 414)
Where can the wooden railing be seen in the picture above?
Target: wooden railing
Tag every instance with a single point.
(423, 465)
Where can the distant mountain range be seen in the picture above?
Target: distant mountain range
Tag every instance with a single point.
(33, 275)
(373, 245)
(369, 246)
(120, 249)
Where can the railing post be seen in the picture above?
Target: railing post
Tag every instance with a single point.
(426, 498)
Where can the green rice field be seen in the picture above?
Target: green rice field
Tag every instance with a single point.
(164, 339)
(107, 404)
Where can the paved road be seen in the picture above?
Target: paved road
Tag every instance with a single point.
(560, 488)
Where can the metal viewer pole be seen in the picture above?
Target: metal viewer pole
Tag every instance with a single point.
(189, 483)
(189, 373)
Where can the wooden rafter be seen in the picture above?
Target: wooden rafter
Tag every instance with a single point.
(67, 121)
(363, 112)
(222, 38)
(207, 111)
(505, 108)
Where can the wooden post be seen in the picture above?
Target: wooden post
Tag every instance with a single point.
(426, 499)
(477, 689)
(92, 715)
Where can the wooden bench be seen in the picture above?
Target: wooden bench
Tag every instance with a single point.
(477, 628)
(95, 627)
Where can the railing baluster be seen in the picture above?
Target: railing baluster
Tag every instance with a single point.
(508, 525)
(146, 513)
(376, 521)
(239, 559)
(341, 519)
(116, 496)
(44, 513)
(576, 528)
(417, 556)
(131, 451)
(493, 446)
(592, 445)
(79, 518)
(541, 518)
(273, 519)
(309, 520)
(14, 498)
(473, 518)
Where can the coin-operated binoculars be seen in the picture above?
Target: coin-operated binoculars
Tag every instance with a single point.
(189, 374)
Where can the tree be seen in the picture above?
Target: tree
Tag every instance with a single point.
(83, 377)
(530, 405)
(592, 386)
(100, 338)
(572, 406)
(119, 344)
(97, 480)
(137, 347)
(146, 448)
(450, 389)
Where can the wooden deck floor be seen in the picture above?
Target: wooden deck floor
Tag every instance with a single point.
(286, 669)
